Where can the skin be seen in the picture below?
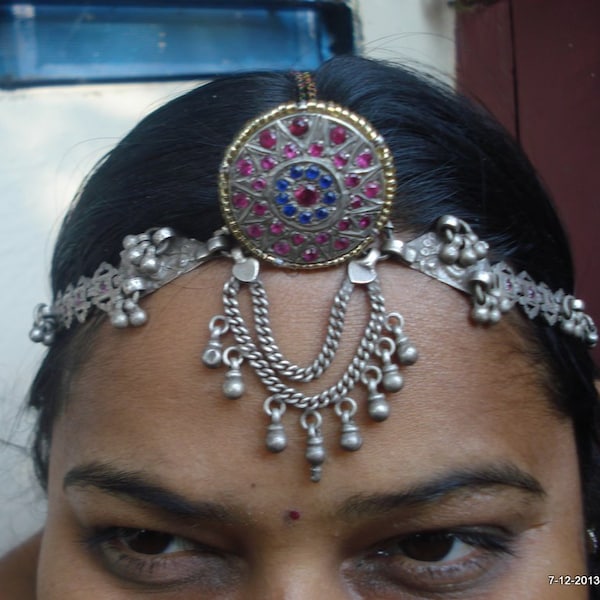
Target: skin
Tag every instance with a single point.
(147, 442)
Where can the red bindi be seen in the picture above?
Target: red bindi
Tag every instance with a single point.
(294, 515)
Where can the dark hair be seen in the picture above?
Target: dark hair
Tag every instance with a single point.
(451, 158)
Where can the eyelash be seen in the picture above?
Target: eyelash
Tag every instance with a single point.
(388, 560)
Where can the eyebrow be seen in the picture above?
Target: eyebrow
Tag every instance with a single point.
(461, 481)
(138, 486)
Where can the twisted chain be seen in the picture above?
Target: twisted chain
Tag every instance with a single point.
(270, 378)
(270, 349)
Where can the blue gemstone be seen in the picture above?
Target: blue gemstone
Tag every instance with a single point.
(322, 213)
(282, 198)
(296, 172)
(305, 218)
(326, 181)
(329, 198)
(282, 185)
(312, 172)
(289, 210)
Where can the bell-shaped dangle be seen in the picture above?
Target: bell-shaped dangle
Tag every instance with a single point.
(276, 438)
(315, 451)
(379, 409)
(351, 438)
(405, 350)
(213, 353)
(392, 380)
(233, 386)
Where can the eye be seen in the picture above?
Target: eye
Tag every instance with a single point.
(429, 547)
(161, 559)
(440, 561)
(144, 541)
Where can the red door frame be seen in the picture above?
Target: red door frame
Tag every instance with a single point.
(535, 64)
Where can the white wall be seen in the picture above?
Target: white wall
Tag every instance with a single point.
(49, 139)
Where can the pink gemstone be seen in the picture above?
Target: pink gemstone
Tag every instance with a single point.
(240, 200)
(267, 163)
(310, 254)
(267, 139)
(372, 189)
(259, 184)
(322, 238)
(364, 159)
(299, 126)
(282, 248)
(356, 202)
(259, 210)
(297, 239)
(316, 149)
(338, 134)
(277, 228)
(291, 151)
(364, 222)
(306, 195)
(344, 225)
(340, 160)
(352, 180)
(245, 167)
(341, 243)
(255, 230)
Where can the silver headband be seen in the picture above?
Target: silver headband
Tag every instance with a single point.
(310, 185)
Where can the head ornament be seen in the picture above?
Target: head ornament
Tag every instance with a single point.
(310, 185)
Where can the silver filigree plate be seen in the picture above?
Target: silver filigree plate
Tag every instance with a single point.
(307, 186)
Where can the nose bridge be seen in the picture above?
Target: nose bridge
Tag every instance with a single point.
(290, 573)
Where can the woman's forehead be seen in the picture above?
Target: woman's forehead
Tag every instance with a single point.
(145, 401)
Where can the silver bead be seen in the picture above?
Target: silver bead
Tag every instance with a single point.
(379, 409)
(467, 257)
(480, 314)
(48, 338)
(149, 265)
(481, 249)
(129, 241)
(351, 439)
(407, 354)
(233, 386)
(392, 379)
(119, 320)
(315, 452)
(36, 334)
(276, 438)
(138, 317)
(135, 255)
(449, 254)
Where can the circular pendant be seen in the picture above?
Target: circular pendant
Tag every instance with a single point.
(307, 186)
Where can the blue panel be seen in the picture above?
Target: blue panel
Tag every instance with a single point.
(48, 42)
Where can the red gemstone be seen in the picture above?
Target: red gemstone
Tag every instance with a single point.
(372, 189)
(344, 225)
(356, 202)
(260, 210)
(322, 238)
(245, 167)
(255, 230)
(297, 239)
(340, 160)
(277, 228)
(267, 139)
(341, 243)
(259, 184)
(352, 180)
(338, 135)
(282, 248)
(310, 254)
(364, 159)
(267, 163)
(240, 200)
(291, 151)
(316, 149)
(364, 222)
(299, 126)
(306, 195)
